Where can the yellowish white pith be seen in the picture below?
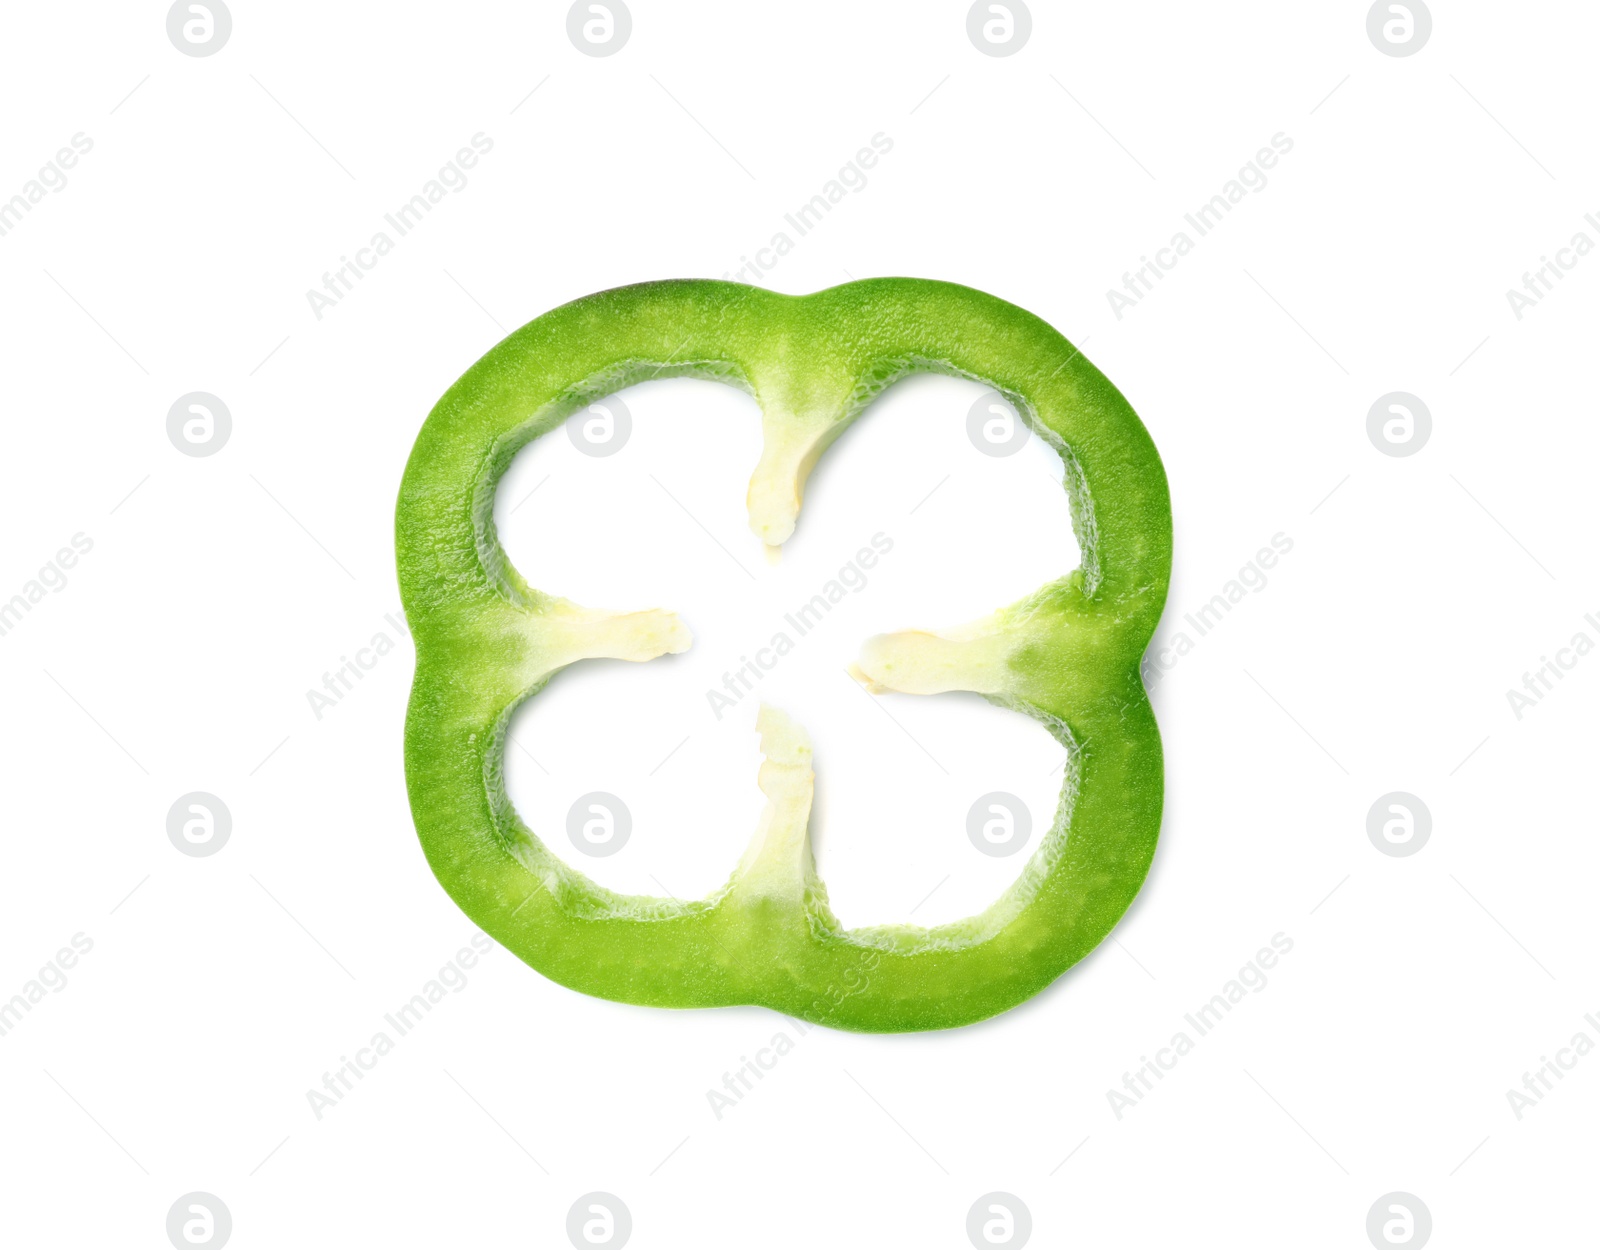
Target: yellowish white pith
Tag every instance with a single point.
(777, 864)
(790, 448)
(967, 657)
(570, 632)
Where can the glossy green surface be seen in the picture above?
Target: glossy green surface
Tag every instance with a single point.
(1068, 655)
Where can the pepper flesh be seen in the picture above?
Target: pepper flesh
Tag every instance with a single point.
(1068, 655)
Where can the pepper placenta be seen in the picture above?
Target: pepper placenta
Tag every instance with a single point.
(1068, 655)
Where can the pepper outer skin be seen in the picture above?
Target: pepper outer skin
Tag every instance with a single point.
(1068, 655)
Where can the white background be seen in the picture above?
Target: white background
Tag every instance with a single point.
(1419, 590)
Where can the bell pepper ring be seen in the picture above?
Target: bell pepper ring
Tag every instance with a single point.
(1068, 655)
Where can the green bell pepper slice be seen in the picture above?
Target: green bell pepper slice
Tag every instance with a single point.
(1068, 655)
